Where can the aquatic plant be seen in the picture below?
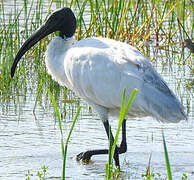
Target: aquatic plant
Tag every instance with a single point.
(64, 150)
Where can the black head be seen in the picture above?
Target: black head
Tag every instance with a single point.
(62, 20)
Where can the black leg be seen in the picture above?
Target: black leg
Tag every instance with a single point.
(111, 138)
(86, 156)
(123, 145)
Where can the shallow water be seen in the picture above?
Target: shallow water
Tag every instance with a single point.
(28, 141)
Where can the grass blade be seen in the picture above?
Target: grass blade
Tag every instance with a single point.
(67, 141)
(123, 113)
(64, 150)
(56, 109)
(122, 116)
(147, 37)
(166, 158)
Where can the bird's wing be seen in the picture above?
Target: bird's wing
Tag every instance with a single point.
(134, 61)
(155, 96)
(100, 72)
(103, 67)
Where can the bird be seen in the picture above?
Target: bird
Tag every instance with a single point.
(189, 44)
(98, 69)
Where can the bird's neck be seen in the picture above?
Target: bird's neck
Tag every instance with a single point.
(55, 55)
(58, 46)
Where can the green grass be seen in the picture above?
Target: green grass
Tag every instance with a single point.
(168, 168)
(157, 176)
(64, 149)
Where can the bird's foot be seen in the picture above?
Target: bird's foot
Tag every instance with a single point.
(84, 157)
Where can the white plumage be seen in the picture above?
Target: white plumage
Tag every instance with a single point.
(98, 70)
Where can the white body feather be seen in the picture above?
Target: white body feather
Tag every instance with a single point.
(98, 70)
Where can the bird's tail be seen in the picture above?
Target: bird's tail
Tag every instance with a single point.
(164, 106)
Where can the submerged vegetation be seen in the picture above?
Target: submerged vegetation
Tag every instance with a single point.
(158, 28)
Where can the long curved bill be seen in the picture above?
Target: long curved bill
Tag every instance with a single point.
(42, 32)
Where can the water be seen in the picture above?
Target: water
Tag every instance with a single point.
(28, 144)
(28, 141)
